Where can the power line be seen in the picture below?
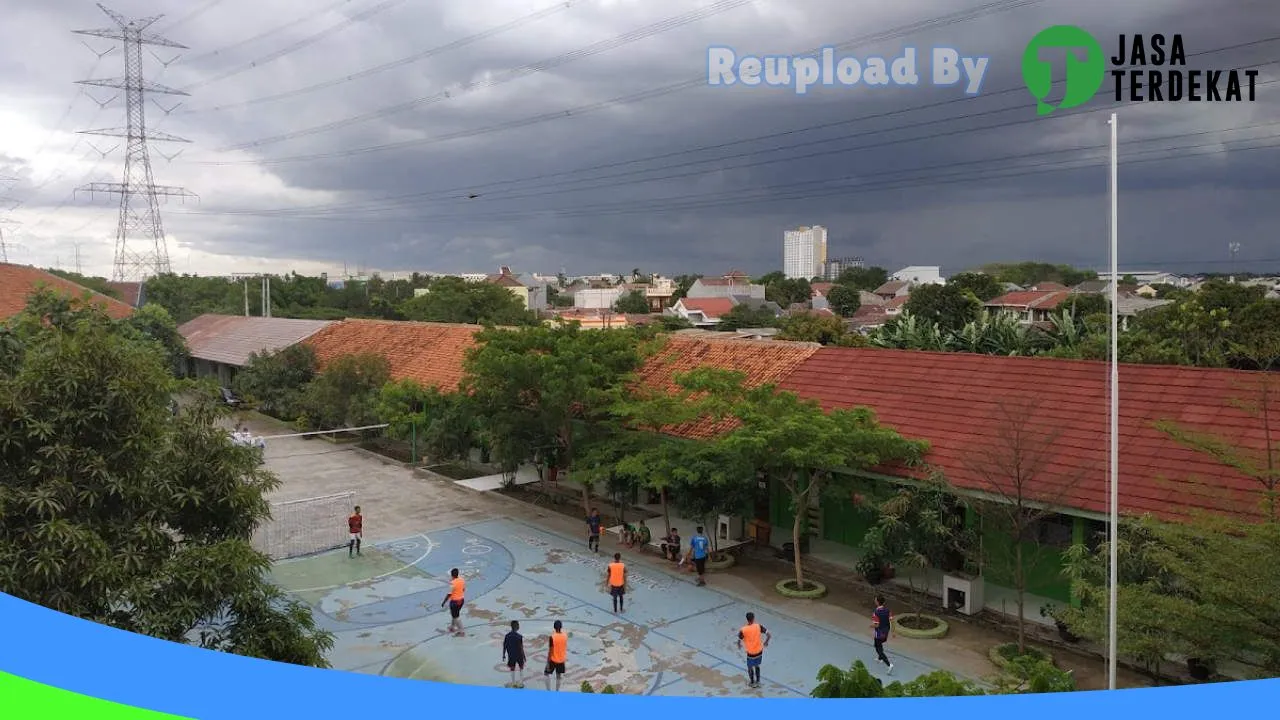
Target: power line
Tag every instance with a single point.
(596, 183)
(469, 40)
(298, 45)
(648, 31)
(683, 203)
(893, 33)
(201, 10)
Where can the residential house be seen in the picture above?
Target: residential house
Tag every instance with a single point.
(18, 282)
(868, 319)
(596, 298)
(702, 312)
(532, 297)
(1102, 287)
(818, 299)
(1048, 286)
(220, 345)
(597, 319)
(1031, 306)
(892, 289)
(734, 284)
(1148, 277)
(920, 275)
(1147, 291)
(739, 334)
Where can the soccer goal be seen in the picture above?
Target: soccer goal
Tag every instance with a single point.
(306, 526)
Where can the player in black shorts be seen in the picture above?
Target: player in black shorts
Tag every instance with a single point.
(513, 654)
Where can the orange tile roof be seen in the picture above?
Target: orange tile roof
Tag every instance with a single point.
(762, 361)
(713, 308)
(17, 282)
(130, 292)
(953, 400)
(821, 288)
(431, 354)
(1038, 299)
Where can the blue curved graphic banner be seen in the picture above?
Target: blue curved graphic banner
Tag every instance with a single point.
(46, 651)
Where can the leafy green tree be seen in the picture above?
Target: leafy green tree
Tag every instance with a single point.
(1028, 675)
(557, 298)
(115, 511)
(454, 300)
(275, 381)
(980, 285)
(345, 394)
(1254, 336)
(921, 527)
(807, 450)
(545, 392)
(863, 278)
(683, 283)
(1206, 587)
(744, 315)
(632, 303)
(938, 683)
(96, 284)
(909, 332)
(844, 300)
(671, 323)
(1082, 305)
(446, 425)
(787, 292)
(189, 296)
(823, 329)
(856, 682)
(1027, 274)
(154, 323)
(947, 305)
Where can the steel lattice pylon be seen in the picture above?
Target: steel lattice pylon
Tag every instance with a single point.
(141, 248)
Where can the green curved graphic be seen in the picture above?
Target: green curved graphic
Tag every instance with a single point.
(28, 699)
(1084, 77)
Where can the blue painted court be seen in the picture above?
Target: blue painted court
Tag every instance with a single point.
(673, 639)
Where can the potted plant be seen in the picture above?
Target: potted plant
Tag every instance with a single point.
(871, 568)
(1064, 630)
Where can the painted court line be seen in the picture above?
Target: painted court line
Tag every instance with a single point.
(745, 601)
(430, 546)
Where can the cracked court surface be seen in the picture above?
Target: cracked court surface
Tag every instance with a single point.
(673, 639)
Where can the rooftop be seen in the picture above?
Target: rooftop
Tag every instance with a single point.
(231, 339)
(1031, 299)
(431, 354)
(18, 282)
(712, 308)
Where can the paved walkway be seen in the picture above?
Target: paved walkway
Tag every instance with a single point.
(398, 504)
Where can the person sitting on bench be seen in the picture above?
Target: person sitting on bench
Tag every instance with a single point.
(671, 545)
(643, 536)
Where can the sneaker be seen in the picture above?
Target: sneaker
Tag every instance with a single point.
(890, 670)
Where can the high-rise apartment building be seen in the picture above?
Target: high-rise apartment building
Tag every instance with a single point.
(832, 268)
(804, 252)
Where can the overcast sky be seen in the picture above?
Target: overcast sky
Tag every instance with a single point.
(300, 136)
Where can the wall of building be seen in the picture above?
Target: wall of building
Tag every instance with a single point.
(596, 298)
(224, 374)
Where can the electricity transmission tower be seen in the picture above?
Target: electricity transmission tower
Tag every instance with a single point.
(141, 249)
(4, 248)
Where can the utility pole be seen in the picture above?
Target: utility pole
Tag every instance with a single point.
(4, 248)
(77, 246)
(141, 249)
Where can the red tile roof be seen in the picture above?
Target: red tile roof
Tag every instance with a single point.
(869, 315)
(890, 288)
(430, 353)
(1028, 299)
(18, 282)
(231, 339)
(822, 288)
(762, 361)
(1045, 286)
(896, 302)
(712, 308)
(130, 292)
(955, 401)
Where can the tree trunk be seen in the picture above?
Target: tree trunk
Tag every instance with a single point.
(1020, 587)
(795, 539)
(666, 514)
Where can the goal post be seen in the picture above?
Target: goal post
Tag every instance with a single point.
(306, 526)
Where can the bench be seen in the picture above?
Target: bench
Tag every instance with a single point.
(724, 546)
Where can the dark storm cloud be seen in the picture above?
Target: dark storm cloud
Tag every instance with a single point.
(893, 189)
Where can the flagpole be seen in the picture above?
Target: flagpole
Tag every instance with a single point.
(1114, 579)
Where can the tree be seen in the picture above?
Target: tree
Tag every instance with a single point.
(863, 278)
(1022, 487)
(1027, 274)
(947, 305)
(1082, 305)
(454, 300)
(980, 285)
(1206, 587)
(908, 332)
(632, 303)
(747, 315)
(444, 425)
(545, 393)
(154, 323)
(787, 292)
(844, 301)
(683, 283)
(807, 450)
(822, 329)
(277, 380)
(345, 394)
(115, 511)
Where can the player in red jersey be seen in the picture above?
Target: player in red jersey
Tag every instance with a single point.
(355, 526)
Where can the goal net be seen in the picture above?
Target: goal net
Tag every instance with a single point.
(306, 526)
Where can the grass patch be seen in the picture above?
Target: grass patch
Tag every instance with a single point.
(393, 449)
(455, 471)
(1009, 651)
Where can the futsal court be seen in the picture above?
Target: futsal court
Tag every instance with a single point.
(673, 638)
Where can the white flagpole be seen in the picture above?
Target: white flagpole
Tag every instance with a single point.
(1114, 579)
